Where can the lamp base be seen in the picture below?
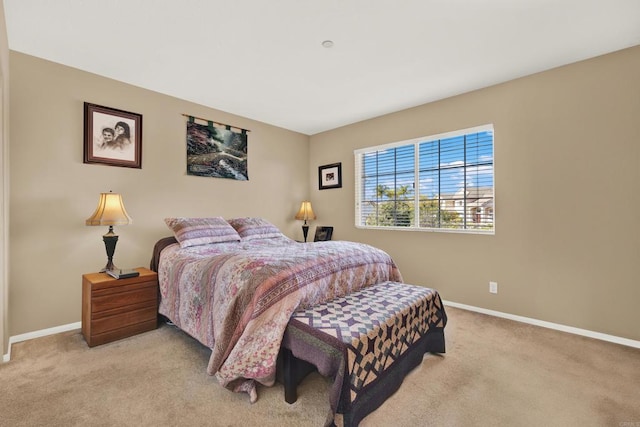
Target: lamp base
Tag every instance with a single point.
(305, 232)
(109, 267)
(110, 239)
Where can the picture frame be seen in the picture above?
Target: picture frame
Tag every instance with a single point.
(112, 137)
(323, 234)
(330, 176)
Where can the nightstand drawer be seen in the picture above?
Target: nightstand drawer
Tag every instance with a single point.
(126, 318)
(125, 332)
(133, 294)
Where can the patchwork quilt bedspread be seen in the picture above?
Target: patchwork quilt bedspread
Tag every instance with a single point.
(237, 298)
(367, 341)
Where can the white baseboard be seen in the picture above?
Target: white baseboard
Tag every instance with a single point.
(536, 322)
(549, 325)
(38, 334)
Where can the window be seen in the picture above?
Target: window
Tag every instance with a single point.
(454, 177)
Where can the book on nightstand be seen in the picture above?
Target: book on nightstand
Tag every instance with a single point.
(122, 273)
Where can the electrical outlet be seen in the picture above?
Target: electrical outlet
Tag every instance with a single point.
(493, 287)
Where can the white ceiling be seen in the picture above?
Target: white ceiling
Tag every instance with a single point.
(264, 59)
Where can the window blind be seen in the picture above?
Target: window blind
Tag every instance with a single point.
(442, 182)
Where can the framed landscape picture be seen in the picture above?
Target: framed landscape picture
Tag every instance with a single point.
(330, 176)
(112, 137)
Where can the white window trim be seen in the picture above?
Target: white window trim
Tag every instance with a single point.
(358, 173)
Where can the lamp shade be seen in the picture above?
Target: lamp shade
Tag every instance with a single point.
(306, 212)
(110, 211)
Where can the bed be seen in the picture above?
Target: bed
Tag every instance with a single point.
(234, 284)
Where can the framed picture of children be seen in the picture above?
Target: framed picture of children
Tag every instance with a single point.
(112, 137)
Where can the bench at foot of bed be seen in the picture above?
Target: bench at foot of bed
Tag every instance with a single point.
(367, 341)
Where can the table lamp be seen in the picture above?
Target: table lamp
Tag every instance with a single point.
(305, 213)
(110, 211)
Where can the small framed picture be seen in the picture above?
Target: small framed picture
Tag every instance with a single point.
(323, 234)
(112, 137)
(330, 176)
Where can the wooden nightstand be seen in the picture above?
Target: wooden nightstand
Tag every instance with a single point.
(113, 309)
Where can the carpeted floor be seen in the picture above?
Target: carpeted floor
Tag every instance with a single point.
(496, 372)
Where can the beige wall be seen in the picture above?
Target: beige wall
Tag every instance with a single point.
(567, 157)
(567, 180)
(53, 192)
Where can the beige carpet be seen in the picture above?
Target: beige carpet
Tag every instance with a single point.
(496, 372)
